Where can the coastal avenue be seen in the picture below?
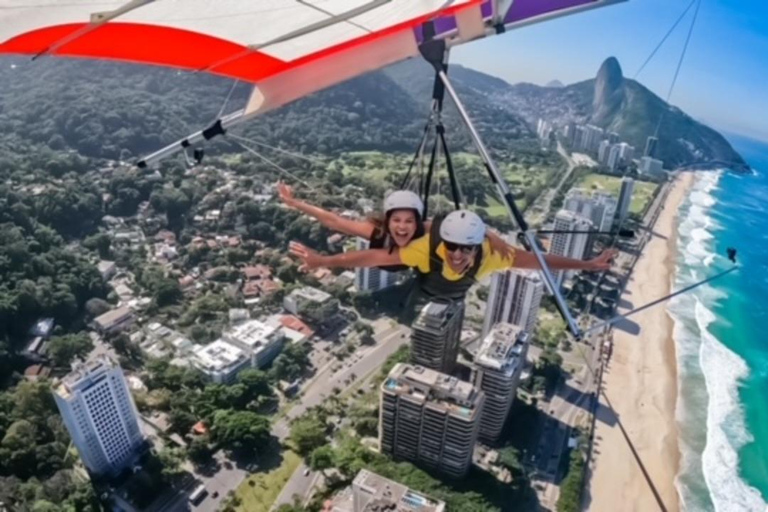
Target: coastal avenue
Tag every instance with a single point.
(574, 398)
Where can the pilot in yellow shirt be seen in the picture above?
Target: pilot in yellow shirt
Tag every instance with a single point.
(416, 254)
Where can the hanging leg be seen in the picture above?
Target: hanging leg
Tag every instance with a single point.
(528, 238)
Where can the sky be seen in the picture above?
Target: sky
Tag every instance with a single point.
(723, 81)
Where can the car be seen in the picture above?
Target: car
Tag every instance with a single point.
(306, 472)
(215, 494)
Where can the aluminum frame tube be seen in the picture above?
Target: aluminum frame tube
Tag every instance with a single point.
(227, 122)
(529, 237)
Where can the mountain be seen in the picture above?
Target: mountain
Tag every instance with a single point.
(626, 107)
(108, 110)
(555, 83)
(102, 109)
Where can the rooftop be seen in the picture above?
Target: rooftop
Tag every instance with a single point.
(312, 294)
(217, 356)
(438, 388)
(113, 317)
(370, 492)
(503, 348)
(83, 375)
(251, 333)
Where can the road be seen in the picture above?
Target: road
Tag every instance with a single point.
(229, 476)
(387, 342)
(540, 207)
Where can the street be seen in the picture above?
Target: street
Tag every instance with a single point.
(228, 477)
(387, 342)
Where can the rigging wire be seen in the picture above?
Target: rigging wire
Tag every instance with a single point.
(279, 150)
(679, 63)
(663, 39)
(226, 100)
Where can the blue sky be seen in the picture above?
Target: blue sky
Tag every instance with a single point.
(723, 81)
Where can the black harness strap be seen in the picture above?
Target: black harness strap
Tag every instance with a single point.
(455, 191)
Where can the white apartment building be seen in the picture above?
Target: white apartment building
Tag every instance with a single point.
(372, 279)
(569, 245)
(514, 297)
(99, 413)
(219, 361)
(497, 368)
(297, 298)
(261, 341)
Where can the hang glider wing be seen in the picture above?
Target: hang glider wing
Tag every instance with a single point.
(288, 48)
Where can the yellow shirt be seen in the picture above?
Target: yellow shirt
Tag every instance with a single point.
(416, 254)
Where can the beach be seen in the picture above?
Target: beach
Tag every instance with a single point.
(636, 455)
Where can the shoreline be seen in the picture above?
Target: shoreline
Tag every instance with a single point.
(640, 382)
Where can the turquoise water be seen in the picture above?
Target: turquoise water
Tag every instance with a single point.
(721, 336)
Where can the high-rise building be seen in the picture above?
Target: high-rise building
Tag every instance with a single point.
(372, 279)
(99, 413)
(651, 167)
(651, 145)
(514, 298)
(599, 207)
(496, 371)
(590, 138)
(370, 492)
(569, 245)
(429, 418)
(436, 334)
(604, 210)
(578, 137)
(569, 133)
(626, 153)
(625, 198)
(613, 137)
(614, 157)
(603, 151)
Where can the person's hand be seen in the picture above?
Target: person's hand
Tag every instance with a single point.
(310, 259)
(603, 260)
(286, 194)
(499, 246)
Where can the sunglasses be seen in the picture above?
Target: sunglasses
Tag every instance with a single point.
(465, 249)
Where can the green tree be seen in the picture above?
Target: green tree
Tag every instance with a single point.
(96, 306)
(64, 349)
(199, 451)
(307, 433)
(321, 458)
(100, 243)
(181, 421)
(171, 460)
(240, 430)
(167, 292)
(570, 488)
(509, 457)
(256, 384)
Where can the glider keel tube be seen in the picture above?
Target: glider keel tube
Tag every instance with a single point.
(529, 238)
(219, 127)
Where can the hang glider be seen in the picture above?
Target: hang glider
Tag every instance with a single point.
(286, 48)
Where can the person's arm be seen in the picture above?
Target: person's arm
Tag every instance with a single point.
(525, 259)
(332, 221)
(353, 259)
(499, 245)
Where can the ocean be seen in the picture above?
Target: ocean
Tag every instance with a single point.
(720, 333)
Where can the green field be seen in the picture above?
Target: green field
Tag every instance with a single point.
(259, 491)
(642, 193)
(378, 166)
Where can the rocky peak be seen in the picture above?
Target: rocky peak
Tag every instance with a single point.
(609, 91)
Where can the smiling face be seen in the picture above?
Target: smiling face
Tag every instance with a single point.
(402, 226)
(459, 258)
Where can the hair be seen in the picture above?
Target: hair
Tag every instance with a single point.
(381, 224)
